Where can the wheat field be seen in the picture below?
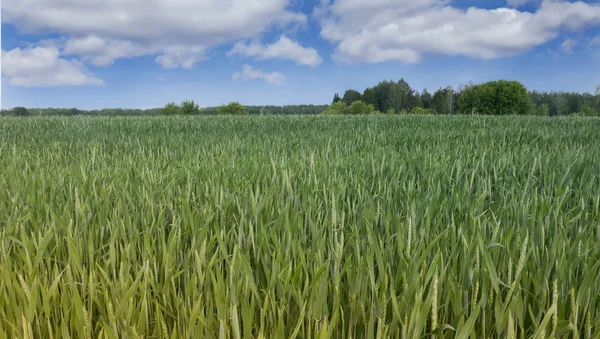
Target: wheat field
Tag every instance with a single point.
(300, 227)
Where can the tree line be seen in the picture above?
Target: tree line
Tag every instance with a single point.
(500, 97)
(169, 109)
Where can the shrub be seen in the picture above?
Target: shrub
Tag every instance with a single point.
(338, 107)
(496, 98)
(190, 108)
(359, 107)
(171, 109)
(586, 111)
(20, 111)
(233, 108)
(421, 111)
(543, 110)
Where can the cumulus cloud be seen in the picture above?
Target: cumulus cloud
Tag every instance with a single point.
(42, 66)
(178, 31)
(284, 48)
(103, 52)
(249, 73)
(405, 30)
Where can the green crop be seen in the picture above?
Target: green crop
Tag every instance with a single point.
(300, 227)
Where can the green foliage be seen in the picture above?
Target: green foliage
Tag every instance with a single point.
(190, 108)
(233, 108)
(298, 227)
(496, 98)
(359, 107)
(171, 109)
(587, 111)
(336, 98)
(369, 97)
(421, 111)
(74, 111)
(20, 111)
(336, 109)
(444, 101)
(351, 96)
(543, 110)
(426, 99)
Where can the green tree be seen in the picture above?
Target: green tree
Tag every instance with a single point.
(20, 111)
(359, 107)
(351, 96)
(421, 111)
(73, 111)
(336, 98)
(426, 99)
(496, 98)
(369, 97)
(190, 108)
(597, 98)
(443, 101)
(336, 108)
(587, 111)
(171, 109)
(233, 108)
(383, 91)
(543, 110)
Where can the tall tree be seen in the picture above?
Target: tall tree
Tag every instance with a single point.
(351, 96)
(369, 97)
(336, 98)
(439, 102)
(426, 99)
(190, 108)
(449, 100)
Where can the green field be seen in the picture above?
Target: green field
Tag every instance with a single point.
(301, 226)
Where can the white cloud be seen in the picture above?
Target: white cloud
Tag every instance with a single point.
(102, 31)
(595, 41)
(103, 52)
(42, 67)
(406, 30)
(284, 48)
(248, 73)
(567, 46)
(184, 56)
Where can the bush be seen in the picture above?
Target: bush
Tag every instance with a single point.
(171, 109)
(338, 107)
(190, 108)
(20, 111)
(73, 111)
(543, 110)
(359, 107)
(496, 98)
(421, 111)
(587, 111)
(233, 108)
(356, 108)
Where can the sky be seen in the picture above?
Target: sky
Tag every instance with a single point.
(94, 54)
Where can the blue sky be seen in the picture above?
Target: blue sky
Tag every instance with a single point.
(145, 53)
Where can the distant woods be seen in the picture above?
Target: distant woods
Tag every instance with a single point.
(491, 98)
(171, 109)
(500, 97)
